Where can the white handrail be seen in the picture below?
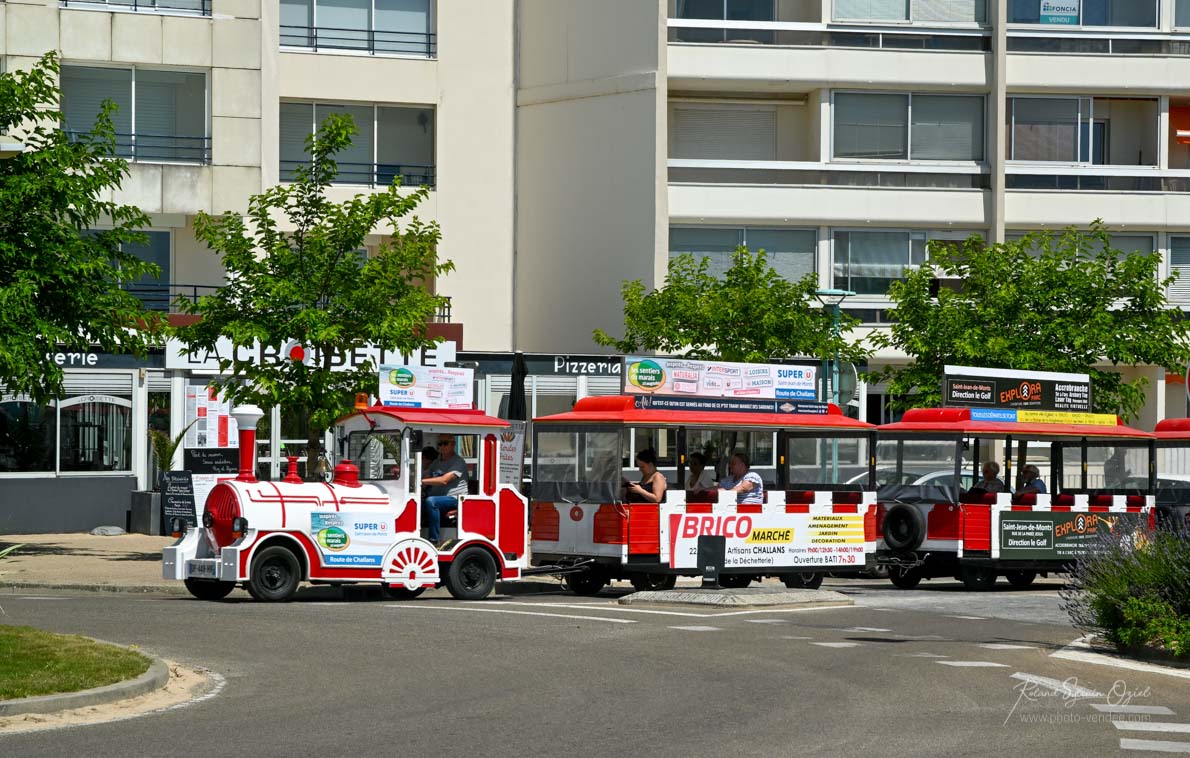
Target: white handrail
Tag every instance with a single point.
(881, 166)
(800, 26)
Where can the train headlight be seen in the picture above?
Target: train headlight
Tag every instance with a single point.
(239, 525)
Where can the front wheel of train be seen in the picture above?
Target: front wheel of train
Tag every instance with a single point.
(472, 574)
(275, 574)
(588, 582)
(206, 589)
(904, 578)
(653, 582)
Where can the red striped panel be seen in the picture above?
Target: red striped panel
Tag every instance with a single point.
(610, 526)
(407, 521)
(545, 523)
(698, 508)
(798, 508)
(943, 522)
(749, 508)
(844, 508)
(977, 527)
(478, 517)
(644, 529)
(512, 522)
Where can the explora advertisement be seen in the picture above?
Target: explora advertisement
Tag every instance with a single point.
(351, 539)
(1036, 535)
(718, 379)
(769, 540)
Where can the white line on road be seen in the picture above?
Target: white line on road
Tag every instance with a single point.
(793, 637)
(37, 597)
(921, 655)
(1080, 651)
(865, 629)
(769, 621)
(973, 664)
(1153, 726)
(969, 618)
(1004, 646)
(1067, 689)
(1155, 746)
(836, 644)
(697, 628)
(473, 609)
(1136, 710)
(688, 614)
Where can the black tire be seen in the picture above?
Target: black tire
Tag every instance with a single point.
(397, 592)
(977, 578)
(805, 580)
(1020, 579)
(275, 574)
(903, 578)
(586, 582)
(735, 581)
(472, 574)
(904, 528)
(206, 589)
(653, 582)
(878, 571)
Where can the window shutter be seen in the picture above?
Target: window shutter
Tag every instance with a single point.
(949, 10)
(603, 385)
(1179, 262)
(724, 133)
(947, 128)
(297, 123)
(83, 91)
(98, 383)
(871, 126)
(872, 10)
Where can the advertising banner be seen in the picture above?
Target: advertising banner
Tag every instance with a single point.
(1060, 12)
(770, 540)
(1011, 415)
(968, 387)
(1038, 535)
(427, 387)
(689, 378)
(512, 454)
(351, 539)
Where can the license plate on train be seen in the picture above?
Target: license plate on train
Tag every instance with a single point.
(203, 569)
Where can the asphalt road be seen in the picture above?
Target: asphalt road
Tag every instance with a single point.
(931, 672)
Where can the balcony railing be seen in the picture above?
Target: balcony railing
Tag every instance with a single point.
(371, 41)
(196, 7)
(899, 176)
(795, 34)
(1096, 179)
(163, 298)
(1083, 44)
(371, 174)
(443, 314)
(160, 148)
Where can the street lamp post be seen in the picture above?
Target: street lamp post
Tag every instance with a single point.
(833, 299)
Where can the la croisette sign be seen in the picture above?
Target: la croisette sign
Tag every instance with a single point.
(202, 360)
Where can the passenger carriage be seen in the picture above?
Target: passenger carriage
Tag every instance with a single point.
(1172, 492)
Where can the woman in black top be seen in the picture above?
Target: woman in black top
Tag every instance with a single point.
(651, 488)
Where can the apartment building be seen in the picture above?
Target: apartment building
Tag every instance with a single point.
(570, 145)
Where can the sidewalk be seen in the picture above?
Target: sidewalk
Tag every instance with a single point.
(127, 563)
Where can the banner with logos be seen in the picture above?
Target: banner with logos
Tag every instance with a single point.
(969, 387)
(1060, 12)
(686, 384)
(427, 387)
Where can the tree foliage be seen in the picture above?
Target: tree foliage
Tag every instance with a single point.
(60, 282)
(751, 314)
(308, 283)
(1068, 302)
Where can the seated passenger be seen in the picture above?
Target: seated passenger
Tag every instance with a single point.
(1030, 480)
(699, 479)
(991, 481)
(747, 484)
(652, 485)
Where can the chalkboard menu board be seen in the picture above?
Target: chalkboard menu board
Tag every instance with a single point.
(212, 460)
(177, 498)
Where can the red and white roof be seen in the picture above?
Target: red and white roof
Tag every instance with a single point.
(621, 409)
(958, 421)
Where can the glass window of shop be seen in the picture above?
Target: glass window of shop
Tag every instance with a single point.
(88, 430)
(948, 11)
(1127, 13)
(790, 252)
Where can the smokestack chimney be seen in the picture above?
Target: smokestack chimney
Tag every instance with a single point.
(246, 417)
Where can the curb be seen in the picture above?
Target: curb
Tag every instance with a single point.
(1082, 650)
(143, 589)
(153, 679)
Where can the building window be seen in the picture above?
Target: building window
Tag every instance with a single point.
(1179, 263)
(951, 11)
(790, 252)
(1135, 13)
(728, 10)
(867, 262)
(725, 132)
(400, 27)
(95, 433)
(198, 7)
(28, 436)
(908, 127)
(1181, 14)
(161, 116)
(392, 142)
(1124, 243)
(1080, 130)
(154, 292)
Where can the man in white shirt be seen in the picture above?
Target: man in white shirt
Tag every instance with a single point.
(747, 484)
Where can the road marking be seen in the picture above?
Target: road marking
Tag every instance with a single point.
(1153, 726)
(1003, 646)
(769, 621)
(1080, 651)
(921, 655)
(836, 644)
(1141, 710)
(220, 683)
(794, 637)
(473, 609)
(865, 629)
(973, 664)
(38, 597)
(697, 628)
(1067, 689)
(688, 614)
(1155, 746)
(969, 618)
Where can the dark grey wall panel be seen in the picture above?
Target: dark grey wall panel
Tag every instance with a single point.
(65, 504)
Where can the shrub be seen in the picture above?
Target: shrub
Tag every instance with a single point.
(1134, 590)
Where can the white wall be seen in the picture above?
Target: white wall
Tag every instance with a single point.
(590, 165)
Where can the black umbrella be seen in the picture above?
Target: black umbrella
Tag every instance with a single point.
(516, 392)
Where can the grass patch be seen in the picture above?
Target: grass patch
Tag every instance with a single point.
(33, 662)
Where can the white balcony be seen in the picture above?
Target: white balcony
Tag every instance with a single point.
(1080, 61)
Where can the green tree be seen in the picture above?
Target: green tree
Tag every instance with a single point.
(750, 314)
(60, 282)
(311, 285)
(1069, 302)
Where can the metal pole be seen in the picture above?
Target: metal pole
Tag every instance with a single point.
(835, 391)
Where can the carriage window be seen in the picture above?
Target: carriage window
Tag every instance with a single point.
(377, 454)
(837, 460)
(578, 465)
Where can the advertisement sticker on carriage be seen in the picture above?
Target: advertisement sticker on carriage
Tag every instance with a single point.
(351, 539)
(766, 540)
